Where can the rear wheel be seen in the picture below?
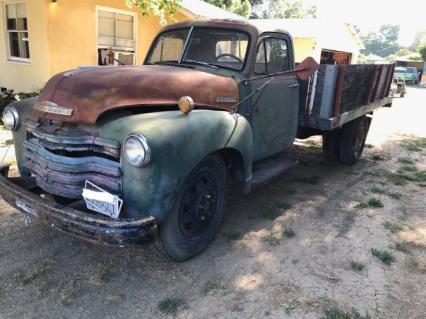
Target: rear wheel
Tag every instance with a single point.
(352, 140)
(330, 145)
(193, 222)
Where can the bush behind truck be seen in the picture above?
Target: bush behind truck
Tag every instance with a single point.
(119, 155)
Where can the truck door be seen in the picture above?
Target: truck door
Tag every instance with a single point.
(275, 108)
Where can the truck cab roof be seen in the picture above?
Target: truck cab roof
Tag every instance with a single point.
(254, 29)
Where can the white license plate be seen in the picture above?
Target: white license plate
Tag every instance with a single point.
(25, 207)
(101, 201)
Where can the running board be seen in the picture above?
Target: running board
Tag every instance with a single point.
(267, 170)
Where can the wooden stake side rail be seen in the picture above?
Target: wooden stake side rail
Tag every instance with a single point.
(345, 92)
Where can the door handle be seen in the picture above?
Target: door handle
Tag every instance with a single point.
(296, 85)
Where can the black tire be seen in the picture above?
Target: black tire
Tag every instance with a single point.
(195, 218)
(352, 140)
(330, 145)
(402, 94)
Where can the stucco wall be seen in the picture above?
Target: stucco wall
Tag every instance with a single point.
(72, 37)
(31, 76)
(303, 48)
(63, 36)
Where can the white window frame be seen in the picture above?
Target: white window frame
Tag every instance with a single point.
(135, 24)
(9, 57)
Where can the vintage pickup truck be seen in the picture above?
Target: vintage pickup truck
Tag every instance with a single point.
(121, 155)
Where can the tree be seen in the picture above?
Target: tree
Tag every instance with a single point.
(241, 7)
(161, 8)
(286, 9)
(382, 43)
(422, 52)
(419, 40)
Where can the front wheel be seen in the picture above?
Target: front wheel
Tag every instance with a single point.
(193, 222)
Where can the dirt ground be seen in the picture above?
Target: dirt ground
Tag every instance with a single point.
(315, 243)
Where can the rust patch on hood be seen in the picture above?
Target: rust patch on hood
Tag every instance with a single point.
(90, 93)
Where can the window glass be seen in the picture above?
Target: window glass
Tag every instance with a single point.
(260, 66)
(277, 55)
(116, 30)
(168, 46)
(17, 31)
(220, 47)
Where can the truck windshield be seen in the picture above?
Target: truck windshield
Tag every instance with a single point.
(216, 48)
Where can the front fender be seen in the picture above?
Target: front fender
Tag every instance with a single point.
(178, 143)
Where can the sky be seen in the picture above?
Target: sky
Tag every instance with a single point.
(369, 15)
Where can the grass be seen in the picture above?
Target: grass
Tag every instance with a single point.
(212, 285)
(402, 246)
(275, 210)
(369, 146)
(336, 312)
(377, 190)
(416, 145)
(398, 179)
(406, 160)
(374, 202)
(393, 228)
(395, 195)
(272, 239)
(420, 176)
(313, 180)
(356, 265)
(378, 157)
(289, 233)
(170, 306)
(234, 236)
(385, 256)
(408, 168)
(360, 205)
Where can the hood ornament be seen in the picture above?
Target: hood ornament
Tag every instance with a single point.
(50, 107)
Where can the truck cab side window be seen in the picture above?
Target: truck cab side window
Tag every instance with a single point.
(272, 56)
(260, 66)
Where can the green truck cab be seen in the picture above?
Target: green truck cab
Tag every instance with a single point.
(121, 155)
(409, 74)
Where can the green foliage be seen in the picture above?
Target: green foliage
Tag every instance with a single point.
(234, 236)
(360, 205)
(289, 233)
(241, 7)
(356, 265)
(377, 190)
(422, 52)
(170, 305)
(382, 43)
(287, 9)
(405, 160)
(393, 228)
(376, 203)
(335, 312)
(161, 8)
(385, 256)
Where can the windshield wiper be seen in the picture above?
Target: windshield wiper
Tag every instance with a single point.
(201, 63)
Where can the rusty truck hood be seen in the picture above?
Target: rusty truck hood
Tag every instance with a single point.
(86, 94)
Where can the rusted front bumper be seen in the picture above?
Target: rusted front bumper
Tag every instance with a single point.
(23, 194)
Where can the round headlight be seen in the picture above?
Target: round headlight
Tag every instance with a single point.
(186, 104)
(10, 118)
(136, 150)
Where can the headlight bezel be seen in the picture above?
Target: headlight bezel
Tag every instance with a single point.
(16, 119)
(144, 143)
